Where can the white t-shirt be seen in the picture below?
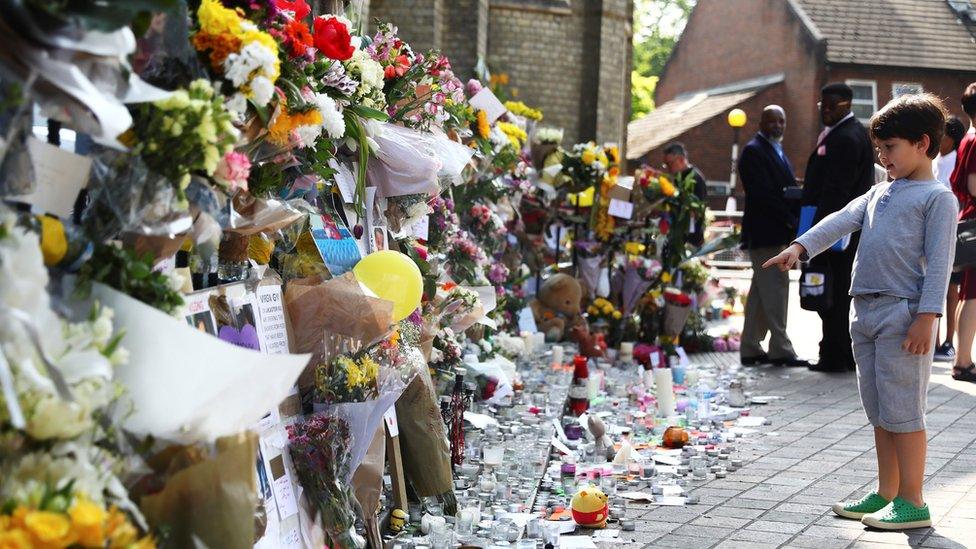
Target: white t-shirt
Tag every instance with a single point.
(942, 167)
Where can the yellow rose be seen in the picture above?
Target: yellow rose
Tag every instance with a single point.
(121, 533)
(665, 277)
(588, 156)
(592, 310)
(617, 315)
(88, 522)
(14, 539)
(667, 189)
(607, 309)
(49, 528)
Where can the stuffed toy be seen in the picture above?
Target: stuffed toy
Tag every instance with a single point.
(590, 508)
(591, 345)
(556, 307)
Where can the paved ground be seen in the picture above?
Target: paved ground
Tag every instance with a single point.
(820, 449)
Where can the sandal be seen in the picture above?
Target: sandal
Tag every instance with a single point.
(965, 374)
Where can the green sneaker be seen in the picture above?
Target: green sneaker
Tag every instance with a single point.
(856, 509)
(899, 515)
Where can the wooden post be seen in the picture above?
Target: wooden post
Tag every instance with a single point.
(395, 461)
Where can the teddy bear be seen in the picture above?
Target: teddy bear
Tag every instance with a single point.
(556, 306)
(590, 507)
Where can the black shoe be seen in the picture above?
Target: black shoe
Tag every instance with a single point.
(754, 360)
(827, 368)
(945, 353)
(790, 361)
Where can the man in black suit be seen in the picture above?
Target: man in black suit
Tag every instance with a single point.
(768, 226)
(840, 169)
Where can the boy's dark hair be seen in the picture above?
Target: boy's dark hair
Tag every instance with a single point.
(910, 117)
(838, 89)
(969, 100)
(676, 148)
(955, 130)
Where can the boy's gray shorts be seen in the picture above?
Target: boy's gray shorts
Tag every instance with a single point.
(892, 382)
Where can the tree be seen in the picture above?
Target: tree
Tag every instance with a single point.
(657, 26)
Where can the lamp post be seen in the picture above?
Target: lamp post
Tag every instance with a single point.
(737, 119)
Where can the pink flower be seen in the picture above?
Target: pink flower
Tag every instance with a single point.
(474, 86)
(233, 171)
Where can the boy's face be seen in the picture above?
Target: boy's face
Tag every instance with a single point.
(901, 157)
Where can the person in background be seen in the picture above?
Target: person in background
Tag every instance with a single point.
(945, 162)
(840, 169)
(942, 167)
(963, 181)
(768, 226)
(686, 176)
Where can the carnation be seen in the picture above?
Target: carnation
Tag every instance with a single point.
(332, 120)
(233, 170)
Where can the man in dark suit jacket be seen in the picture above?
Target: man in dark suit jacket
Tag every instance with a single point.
(768, 226)
(840, 169)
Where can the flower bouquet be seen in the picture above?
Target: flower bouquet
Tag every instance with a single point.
(584, 166)
(319, 449)
(677, 308)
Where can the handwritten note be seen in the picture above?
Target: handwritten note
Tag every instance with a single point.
(485, 100)
(59, 176)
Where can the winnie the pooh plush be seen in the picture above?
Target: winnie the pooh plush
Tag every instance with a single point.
(590, 507)
(556, 307)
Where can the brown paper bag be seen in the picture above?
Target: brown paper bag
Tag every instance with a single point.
(338, 306)
(423, 438)
(208, 501)
(367, 485)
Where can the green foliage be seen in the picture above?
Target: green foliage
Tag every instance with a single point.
(657, 26)
(642, 94)
(130, 274)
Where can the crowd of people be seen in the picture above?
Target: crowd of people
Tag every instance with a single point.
(844, 165)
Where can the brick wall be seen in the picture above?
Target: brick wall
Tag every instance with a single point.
(945, 84)
(420, 22)
(570, 58)
(726, 41)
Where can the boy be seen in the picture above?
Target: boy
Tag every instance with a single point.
(901, 272)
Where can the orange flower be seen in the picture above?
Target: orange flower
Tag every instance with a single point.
(280, 130)
(220, 46)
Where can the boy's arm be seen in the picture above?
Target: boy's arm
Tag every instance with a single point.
(939, 248)
(835, 226)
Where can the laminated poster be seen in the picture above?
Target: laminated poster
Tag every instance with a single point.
(335, 243)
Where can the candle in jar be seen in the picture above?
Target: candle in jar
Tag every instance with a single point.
(557, 355)
(626, 352)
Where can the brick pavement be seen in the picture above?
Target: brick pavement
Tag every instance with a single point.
(820, 449)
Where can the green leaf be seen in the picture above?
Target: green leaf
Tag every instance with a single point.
(367, 112)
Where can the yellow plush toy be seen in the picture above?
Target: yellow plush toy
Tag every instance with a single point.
(590, 508)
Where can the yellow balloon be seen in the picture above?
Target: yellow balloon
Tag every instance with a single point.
(394, 277)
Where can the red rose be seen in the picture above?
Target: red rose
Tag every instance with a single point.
(332, 38)
(298, 7)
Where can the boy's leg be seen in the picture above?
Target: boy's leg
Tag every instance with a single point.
(888, 470)
(910, 448)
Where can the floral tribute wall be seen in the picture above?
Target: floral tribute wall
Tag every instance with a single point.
(273, 232)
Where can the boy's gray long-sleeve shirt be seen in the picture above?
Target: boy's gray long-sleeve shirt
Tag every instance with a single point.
(908, 240)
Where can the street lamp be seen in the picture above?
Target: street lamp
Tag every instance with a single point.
(737, 119)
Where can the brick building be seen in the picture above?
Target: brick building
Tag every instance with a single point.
(750, 53)
(570, 58)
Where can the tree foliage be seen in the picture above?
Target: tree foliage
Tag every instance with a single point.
(657, 26)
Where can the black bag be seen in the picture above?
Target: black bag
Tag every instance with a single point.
(965, 245)
(816, 287)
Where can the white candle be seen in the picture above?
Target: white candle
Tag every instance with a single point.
(626, 352)
(539, 340)
(529, 341)
(557, 355)
(664, 391)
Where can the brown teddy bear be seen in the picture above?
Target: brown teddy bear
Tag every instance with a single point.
(556, 307)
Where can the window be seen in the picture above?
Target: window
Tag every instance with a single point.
(865, 98)
(899, 89)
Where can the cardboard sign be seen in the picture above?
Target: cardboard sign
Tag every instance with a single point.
(485, 100)
(621, 208)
